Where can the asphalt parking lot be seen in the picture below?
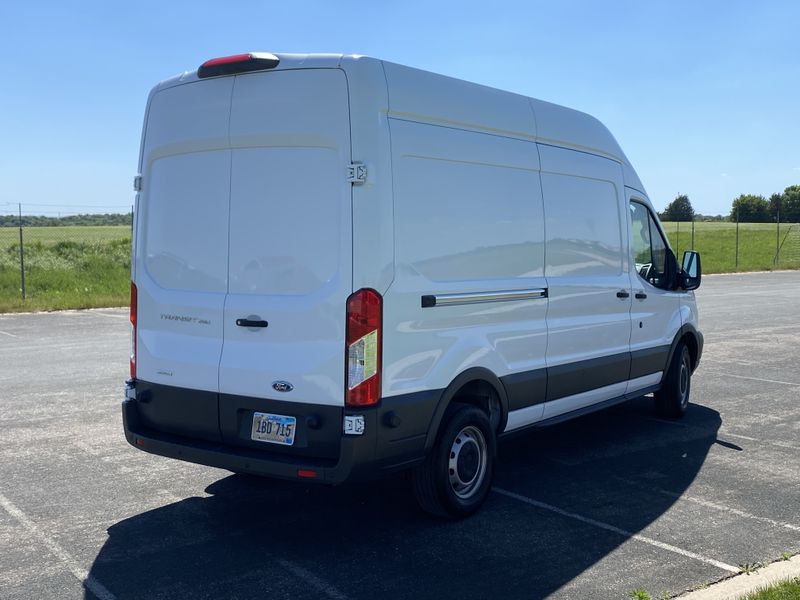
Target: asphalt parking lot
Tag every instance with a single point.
(593, 508)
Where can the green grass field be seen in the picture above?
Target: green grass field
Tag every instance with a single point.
(716, 243)
(51, 235)
(65, 267)
(86, 267)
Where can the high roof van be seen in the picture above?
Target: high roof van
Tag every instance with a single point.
(344, 267)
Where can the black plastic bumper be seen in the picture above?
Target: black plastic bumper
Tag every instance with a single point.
(393, 439)
(355, 460)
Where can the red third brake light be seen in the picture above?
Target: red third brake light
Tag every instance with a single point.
(237, 63)
(224, 60)
(134, 310)
(363, 348)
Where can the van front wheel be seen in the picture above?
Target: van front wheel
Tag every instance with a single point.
(672, 399)
(457, 474)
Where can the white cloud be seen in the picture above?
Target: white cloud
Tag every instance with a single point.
(796, 169)
(723, 174)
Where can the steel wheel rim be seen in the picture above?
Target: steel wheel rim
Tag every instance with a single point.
(683, 383)
(467, 462)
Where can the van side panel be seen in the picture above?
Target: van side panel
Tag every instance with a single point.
(373, 207)
(586, 267)
(421, 96)
(468, 220)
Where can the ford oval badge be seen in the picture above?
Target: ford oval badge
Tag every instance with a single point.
(282, 386)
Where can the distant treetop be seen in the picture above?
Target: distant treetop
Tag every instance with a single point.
(790, 204)
(679, 209)
(749, 208)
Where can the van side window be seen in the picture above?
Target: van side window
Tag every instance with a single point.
(649, 248)
(582, 225)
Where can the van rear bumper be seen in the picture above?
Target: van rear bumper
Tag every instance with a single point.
(239, 460)
(379, 450)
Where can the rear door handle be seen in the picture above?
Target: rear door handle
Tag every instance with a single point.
(623, 294)
(640, 295)
(251, 323)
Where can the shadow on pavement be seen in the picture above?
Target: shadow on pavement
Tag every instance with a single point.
(262, 538)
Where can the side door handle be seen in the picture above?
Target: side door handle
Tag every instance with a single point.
(251, 323)
(640, 295)
(623, 294)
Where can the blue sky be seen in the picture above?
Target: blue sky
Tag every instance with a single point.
(704, 97)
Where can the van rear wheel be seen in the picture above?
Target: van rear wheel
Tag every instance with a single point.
(672, 399)
(457, 474)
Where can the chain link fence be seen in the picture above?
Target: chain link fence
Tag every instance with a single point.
(727, 247)
(58, 257)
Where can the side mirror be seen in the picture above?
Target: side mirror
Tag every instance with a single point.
(691, 271)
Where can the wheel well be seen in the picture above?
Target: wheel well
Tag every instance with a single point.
(691, 343)
(481, 394)
(477, 386)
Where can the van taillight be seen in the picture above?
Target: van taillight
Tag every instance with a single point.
(363, 348)
(134, 303)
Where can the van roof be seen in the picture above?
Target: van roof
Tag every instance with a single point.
(454, 102)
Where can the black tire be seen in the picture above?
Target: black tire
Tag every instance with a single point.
(457, 474)
(672, 399)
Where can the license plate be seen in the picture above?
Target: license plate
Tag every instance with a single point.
(275, 429)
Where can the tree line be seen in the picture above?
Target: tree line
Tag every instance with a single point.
(746, 208)
(83, 220)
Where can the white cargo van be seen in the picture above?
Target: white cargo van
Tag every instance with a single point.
(344, 267)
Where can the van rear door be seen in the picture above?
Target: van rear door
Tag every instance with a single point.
(289, 253)
(181, 254)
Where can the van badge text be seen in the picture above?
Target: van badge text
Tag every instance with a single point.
(185, 319)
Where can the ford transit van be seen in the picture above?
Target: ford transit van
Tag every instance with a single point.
(344, 267)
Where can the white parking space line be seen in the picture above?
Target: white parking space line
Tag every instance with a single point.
(714, 505)
(9, 334)
(318, 584)
(111, 316)
(791, 383)
(758, 441)
(614, 529)
(94, 586)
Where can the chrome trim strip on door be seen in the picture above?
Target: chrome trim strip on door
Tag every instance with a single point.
(482, 297)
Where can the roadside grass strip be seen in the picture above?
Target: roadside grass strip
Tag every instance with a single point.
(787, 590)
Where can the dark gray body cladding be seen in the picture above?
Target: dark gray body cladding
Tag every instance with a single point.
(650, 360)
(552, 383)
